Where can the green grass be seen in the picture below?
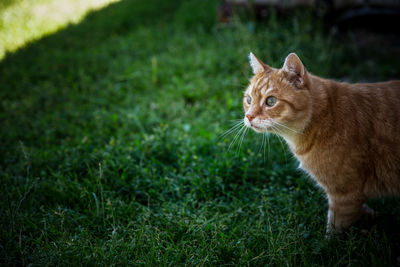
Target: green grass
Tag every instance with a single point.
(22, 21)
(111, 151)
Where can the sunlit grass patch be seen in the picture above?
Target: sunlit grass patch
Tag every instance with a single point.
(26, 20)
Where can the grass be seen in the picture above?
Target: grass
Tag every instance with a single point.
(22, 21)
(111, 150)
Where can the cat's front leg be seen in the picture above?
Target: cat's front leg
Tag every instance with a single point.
(344, 211)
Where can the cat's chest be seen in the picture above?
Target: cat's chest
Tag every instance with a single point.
(310, 163)
(323, 166)
(326, 162)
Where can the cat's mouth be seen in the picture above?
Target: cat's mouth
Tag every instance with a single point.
(259, 129)
(256, 127)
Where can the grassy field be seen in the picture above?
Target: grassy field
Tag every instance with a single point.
(112, 151)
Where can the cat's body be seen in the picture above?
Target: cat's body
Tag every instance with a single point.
(346, 136)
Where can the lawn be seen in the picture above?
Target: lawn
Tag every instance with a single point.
(113, 150)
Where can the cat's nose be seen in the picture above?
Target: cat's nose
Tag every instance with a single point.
(249, 117)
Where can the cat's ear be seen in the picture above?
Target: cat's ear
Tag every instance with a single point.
(256, 64)
(295, 68)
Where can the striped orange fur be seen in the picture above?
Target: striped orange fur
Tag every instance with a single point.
(346, 136)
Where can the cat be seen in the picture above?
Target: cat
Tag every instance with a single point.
(345, 136)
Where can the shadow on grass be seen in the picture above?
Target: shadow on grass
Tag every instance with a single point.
(44, 58)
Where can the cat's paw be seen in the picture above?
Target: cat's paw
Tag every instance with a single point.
(333, 231)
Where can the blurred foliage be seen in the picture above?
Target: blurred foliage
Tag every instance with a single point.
(112, 150)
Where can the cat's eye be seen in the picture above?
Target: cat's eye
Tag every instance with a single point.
(271, 101)
(248, 100)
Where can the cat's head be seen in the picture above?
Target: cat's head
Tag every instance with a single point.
(278, 100)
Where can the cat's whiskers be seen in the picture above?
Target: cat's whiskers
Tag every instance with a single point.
(268, 147)
(284, 126)
(235, 127)
(280, 140)
(262, 144)
(231, 130)
(269, 124)
(265, 138)
(239, 132)
(265, 124)
(242, 137)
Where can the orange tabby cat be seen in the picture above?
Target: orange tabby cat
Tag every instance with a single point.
(346, 136)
